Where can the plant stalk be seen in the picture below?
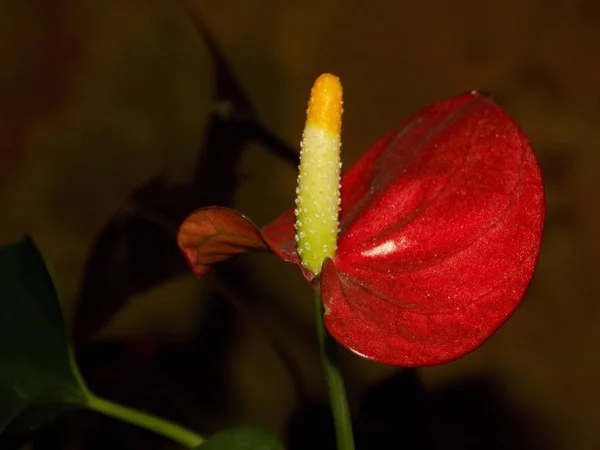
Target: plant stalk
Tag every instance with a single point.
(335, 383)
(168, 429)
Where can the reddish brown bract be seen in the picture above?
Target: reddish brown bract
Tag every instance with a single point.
(441, 224)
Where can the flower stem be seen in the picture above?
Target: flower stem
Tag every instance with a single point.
(335, 382)
(170, 430)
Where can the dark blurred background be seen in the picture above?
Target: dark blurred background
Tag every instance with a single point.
(117, 117)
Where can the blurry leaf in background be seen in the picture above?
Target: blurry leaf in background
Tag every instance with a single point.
(242, 438)
(136, 250)
(38, 378)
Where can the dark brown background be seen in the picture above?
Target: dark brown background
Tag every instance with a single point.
(98, 96)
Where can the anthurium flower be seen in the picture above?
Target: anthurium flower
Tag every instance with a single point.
(440, 226)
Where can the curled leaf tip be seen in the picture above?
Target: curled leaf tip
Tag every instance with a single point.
(213, 234)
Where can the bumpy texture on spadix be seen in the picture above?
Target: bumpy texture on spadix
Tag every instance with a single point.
(440, 229)
(317, 195)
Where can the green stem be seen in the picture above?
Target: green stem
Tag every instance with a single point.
(157, 425)
(335, 382)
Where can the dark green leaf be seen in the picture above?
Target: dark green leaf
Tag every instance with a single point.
(242, 438)
(38, 377)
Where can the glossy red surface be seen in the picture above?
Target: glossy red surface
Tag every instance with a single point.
(441, 223)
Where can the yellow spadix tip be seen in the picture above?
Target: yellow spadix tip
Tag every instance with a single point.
(325, 104)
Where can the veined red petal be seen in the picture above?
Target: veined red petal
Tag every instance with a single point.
(213, 234)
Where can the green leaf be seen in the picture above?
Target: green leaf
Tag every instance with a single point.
(38, 377)
(242, 438)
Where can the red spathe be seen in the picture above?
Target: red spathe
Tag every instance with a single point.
(440, 229)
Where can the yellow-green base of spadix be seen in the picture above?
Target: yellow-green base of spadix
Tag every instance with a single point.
(318, 199)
